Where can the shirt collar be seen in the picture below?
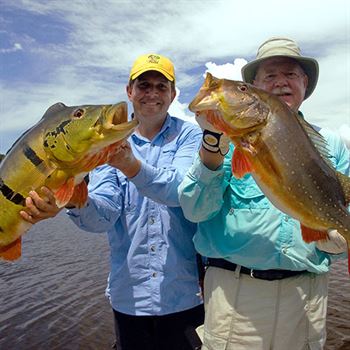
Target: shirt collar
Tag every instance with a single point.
(164, 131)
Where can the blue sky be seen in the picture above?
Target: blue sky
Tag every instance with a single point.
(80, 51)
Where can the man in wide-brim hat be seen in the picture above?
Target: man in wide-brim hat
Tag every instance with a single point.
(287, 49)
(265, 288)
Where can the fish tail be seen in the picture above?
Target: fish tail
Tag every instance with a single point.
(12, 251)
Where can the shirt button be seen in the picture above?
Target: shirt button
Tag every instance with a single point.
(284, 250)
(154, 274)
(151, 220)
(153, 248)
(286, 218)
(231, 211)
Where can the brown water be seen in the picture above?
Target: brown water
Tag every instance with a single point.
(53, 297)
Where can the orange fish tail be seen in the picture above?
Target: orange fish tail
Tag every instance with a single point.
(12, 251)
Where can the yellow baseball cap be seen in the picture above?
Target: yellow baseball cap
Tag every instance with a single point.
(155, 62)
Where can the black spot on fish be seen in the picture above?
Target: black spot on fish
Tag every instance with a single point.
(31, 155)
(59, 129)
(11, 195)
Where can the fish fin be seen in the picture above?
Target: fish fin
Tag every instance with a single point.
(80, 195)
(317, 140)
(240, 163)
(64, 193)
(345, 184)
(12, 251)
(311, 235)
(55, 108)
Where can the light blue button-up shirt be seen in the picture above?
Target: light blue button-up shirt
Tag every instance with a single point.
(153, 260)
(238, 223)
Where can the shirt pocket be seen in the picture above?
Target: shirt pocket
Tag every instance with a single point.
(246, 194)
(167, 155)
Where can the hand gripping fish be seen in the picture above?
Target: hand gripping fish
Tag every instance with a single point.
(57, 152)
(285, 155)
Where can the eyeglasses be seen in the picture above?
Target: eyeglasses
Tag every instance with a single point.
(288, 75)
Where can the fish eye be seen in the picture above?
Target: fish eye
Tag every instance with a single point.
(78, 113)
(243, 88)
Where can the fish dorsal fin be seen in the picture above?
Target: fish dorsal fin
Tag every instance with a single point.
(57, 107)
(345, 184)
(318, 141)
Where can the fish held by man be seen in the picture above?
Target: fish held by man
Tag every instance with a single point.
(285, 155)
(57, 152)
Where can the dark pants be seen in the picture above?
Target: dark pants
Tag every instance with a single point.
(169, 332)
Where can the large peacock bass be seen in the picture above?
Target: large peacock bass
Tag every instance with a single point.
(57, 152)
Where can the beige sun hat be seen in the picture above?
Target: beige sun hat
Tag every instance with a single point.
(284, 47)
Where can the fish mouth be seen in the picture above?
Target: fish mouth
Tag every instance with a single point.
(113, 115)
(115, 118)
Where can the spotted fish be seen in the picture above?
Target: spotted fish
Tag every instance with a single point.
(287, 158)
(57, 152)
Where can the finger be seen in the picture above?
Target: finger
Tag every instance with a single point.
(50, 195)
(43, 205)
(31, 207)
(26, 216)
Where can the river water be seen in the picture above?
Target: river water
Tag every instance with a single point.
(53, 297)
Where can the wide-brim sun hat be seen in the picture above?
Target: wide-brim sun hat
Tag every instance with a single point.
(155, 62)
(283, 47)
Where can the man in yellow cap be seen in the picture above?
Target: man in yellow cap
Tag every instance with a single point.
(153, 283)
(265, 288)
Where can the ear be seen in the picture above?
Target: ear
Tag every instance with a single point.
(306, 81)
(129, 91)
(173, 94)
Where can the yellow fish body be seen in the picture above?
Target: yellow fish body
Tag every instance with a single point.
(57, 152)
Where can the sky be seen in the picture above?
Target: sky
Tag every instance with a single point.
(80, 51)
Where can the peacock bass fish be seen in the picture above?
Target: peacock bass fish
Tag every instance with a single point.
(57, 152)
(287, 158)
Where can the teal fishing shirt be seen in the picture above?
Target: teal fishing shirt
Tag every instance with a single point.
(239, 224)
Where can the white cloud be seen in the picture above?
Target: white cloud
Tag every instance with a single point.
(180, 110)
(15, 47)
(100, 43)
(227, 70)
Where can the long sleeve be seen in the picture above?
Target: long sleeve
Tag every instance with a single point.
(160, 182)
(201, 191)
(104, 202)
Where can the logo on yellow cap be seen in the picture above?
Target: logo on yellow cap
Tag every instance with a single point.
(153, 59)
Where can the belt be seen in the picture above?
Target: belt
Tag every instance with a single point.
(269, 275)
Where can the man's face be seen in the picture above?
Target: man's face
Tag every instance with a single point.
(151, 95)
(283, 77)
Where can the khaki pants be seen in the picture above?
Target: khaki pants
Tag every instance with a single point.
(252, 314)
